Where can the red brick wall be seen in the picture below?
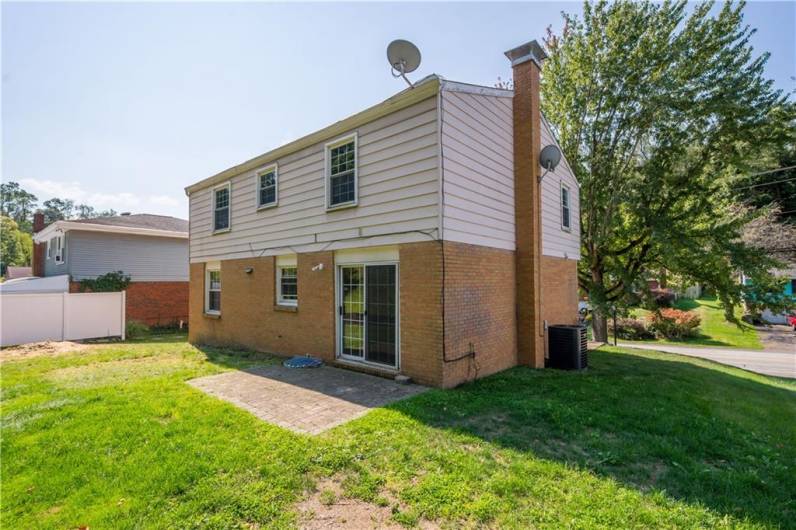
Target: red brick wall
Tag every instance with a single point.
(480, 309)
(250, 317)
(153, 303)
(37, 260)
(559, 291)
(527, 212)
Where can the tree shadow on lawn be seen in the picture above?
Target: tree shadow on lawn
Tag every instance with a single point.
(714, 436)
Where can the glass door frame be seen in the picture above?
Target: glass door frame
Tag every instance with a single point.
(338, 284)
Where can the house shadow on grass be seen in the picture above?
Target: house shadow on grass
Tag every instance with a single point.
(711, 436)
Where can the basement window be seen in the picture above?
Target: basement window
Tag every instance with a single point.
(287, 283)
(221, 210)
(213, 289)
(566, 220)
(341, 171)
(267, 187)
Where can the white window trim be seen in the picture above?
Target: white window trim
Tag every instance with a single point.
(60, 258)
(49, 248)
(561, 206)
(328, 171)
(227, 185)
(210, 267)
(267, 169)
(285, 262)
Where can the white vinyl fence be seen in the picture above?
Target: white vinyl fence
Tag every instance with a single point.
(60, 316)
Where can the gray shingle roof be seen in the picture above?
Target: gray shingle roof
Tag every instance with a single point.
(140, 220)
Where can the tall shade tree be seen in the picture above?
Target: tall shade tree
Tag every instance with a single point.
(17, 204)
(657, 110)
(16, 247)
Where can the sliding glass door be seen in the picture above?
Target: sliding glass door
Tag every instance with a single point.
(368, 313)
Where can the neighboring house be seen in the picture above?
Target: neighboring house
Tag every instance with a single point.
(151, 249)
(789, 291)
(413, 237)
(12, 273)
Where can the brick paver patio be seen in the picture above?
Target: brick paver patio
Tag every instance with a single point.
(305, 400)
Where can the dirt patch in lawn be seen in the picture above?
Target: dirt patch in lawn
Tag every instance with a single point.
(327, 508)
(39, 349)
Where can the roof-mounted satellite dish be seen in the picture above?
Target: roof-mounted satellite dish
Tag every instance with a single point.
(549, 158)
(404, 58)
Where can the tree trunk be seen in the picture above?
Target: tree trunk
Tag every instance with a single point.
(599, 326)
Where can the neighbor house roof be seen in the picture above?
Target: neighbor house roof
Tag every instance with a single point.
(134, 224)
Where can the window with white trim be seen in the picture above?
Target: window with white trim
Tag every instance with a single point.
(50, 248)
(212, 289)
(286, 280)
(267, 187)
(221, 210)
(341, 173)
(59, 249)
(566, 220)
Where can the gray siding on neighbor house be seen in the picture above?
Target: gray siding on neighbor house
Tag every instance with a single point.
(51, 268)
(144, 258)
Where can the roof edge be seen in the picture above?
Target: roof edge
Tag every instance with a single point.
(66, 226)
(423, 89)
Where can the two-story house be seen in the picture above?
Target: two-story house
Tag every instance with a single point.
(414, 237)
(151, 249)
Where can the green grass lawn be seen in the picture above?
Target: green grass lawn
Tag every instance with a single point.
(714, 329)
(113, 437)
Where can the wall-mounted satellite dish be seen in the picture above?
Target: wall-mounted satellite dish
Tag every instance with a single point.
(549, 158)
(404, 58)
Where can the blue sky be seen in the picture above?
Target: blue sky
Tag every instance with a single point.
(123, 105)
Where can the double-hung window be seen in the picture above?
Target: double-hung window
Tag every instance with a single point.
(566, 217)
(50, 247)
(341, 173)
(221, 211)
(267, 187)
(58, 249)
(213, 289)
(286, 280)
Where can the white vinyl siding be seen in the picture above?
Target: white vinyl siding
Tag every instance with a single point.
(398, 196)
(557, 240)
(478, 161)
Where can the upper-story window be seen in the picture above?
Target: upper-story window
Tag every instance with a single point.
(566, 216)
(267, 187)
(221, 199)
(341, 173)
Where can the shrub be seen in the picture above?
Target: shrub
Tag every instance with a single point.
(632, 329)
(674, 324)
(107, 283)
(135, 329)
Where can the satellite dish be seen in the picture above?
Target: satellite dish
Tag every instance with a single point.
(404, 58)
(549, 159)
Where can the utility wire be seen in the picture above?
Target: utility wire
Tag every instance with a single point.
(767, 183)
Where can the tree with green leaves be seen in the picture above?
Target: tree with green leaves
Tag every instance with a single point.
(16, 247)
(56, 209)
(658, 111)
(17, 204)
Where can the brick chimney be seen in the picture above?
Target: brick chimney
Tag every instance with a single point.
(526, 61)
(38, 248)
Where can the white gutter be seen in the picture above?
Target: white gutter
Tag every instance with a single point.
(65, 226)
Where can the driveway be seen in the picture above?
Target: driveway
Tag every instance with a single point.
(776, 363)
(305, 400)
(777, 337)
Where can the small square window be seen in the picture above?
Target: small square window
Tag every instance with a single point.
(221, 200)
(342, 173)
(267, 187)
(287, 285)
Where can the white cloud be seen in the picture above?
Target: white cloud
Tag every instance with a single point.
(119, 201)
